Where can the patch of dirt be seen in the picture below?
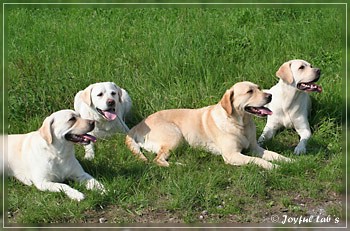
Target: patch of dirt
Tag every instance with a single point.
(260, 212)
(115, 214)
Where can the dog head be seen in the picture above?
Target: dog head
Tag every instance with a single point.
(246, 97)
(67, 125)
(104, 98)
(300, 74)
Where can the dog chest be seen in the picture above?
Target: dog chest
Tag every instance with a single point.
(208, 145)
(58, 170)
(243, 142)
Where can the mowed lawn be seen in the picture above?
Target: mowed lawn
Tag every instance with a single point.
(178, 58)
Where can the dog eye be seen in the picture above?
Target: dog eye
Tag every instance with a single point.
(72, 119)
(100, 94)
(250, 91)
(113, 93)
(301, 67)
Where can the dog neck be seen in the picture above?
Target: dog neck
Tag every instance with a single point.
(289, 93)
(62, 148)
(239, 118)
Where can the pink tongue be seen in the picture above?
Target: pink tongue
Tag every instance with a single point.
(90, 137)
(109, 115)
(265, 111)
(319, 89)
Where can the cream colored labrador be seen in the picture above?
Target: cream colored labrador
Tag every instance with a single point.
(291, 102)
(223, 129)
(46, 157)
(107, 104)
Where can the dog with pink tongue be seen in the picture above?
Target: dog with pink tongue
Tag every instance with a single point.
(108, 105)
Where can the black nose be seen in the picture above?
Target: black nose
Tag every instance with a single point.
(110, 102)
(268, 97)
(318, 71)
(92, 124)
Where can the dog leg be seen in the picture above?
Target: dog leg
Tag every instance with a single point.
(89, 151)
(305, 134)
(134, 148)
(58, 187)
(162, 156)
(122, 125)
(268, 133)
(91, 183)
(82, 177)
(23, 179)
(94, 184)
(240, 159)
(270, 155)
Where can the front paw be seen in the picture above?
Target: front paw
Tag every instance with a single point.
(261, 140)
(161, 162)
(90, 155)
(94, 184)
(270, 166)
(75, 195)
(300, 149)
(285, 159)
(89, 152)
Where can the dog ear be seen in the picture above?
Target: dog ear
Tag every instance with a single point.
(120, 93)
(46, 129)
(86, 95)
(285, 73)
(227, 101)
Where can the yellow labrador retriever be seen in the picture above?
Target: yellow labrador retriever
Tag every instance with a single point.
(223, 129)
(46, 157)
(291, 102)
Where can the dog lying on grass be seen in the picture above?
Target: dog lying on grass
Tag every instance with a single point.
(46, 157)
(224, 129)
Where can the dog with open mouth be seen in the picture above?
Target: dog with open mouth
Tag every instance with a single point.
(46, 157)
(108, 105)
(291, 103)
(224, 129)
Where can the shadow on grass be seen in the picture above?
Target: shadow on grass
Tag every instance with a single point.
(285, 141)
(330, 108)
(109, 169)
(134, 118)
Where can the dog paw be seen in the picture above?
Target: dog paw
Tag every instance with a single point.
(101, 188)
(75, 195)
(270, 166)
(142, 157)
(261, 140)
(162, 163)
(89, 156)
(299, 150)
(275, 166)
(286, 159)
(94, 184)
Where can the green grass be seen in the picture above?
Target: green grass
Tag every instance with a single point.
(174, 58)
